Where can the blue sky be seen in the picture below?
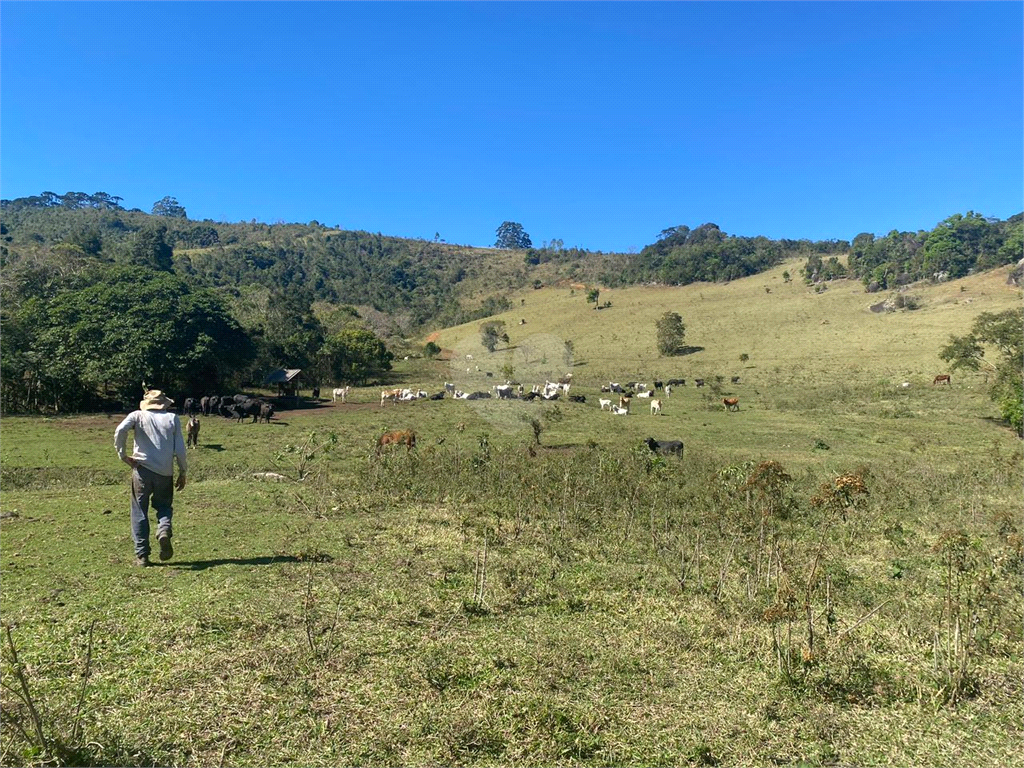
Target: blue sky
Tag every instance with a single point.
(599, 124)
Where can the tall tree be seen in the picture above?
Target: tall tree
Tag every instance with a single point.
(512, 235)
(491, 333)
(354, 355)
(1001, 332)
(671, 332)
(168, 206)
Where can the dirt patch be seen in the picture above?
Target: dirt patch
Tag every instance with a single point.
(434, 336)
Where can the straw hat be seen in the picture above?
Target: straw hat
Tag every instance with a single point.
(155, 400)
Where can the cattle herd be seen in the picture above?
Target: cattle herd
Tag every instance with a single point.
(235, 407)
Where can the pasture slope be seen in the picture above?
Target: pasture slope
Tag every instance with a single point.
(829, 576)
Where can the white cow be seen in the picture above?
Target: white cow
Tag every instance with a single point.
(655, 407)
(340, 393)
(605, 404)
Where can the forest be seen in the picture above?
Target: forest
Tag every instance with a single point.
(97, 298)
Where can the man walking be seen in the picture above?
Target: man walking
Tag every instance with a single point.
(158, 444)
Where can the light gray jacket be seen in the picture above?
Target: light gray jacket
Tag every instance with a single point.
(158, 441)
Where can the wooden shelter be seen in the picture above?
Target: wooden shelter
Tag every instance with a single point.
(287, 381)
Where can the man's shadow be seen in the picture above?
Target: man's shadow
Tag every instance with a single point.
(202, 565)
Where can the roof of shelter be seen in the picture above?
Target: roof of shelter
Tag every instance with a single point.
(282, 376)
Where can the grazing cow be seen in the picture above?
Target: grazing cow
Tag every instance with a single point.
(390, 394)
(624, 403)
(699, 382)
(266, 412)
(204, 405)
(677, 382)
(668, 390)
(614, 386)
(655, 407)
(339, 393)
(619, 411)
(674, 447)
(731, 403)
(191, 406)
(578, 398)
(192, 432)
(659, 385)
(605, 404)
(404, 437)
(735, 379)
(505, 391)
(942, 378)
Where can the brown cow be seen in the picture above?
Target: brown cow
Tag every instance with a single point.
(404, 437)
(942, 378)
(731, 403)
(192, 432)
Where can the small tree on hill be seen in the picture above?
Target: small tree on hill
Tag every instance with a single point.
(491, 333)
(671, 333)
(430, 349)
(592, 296)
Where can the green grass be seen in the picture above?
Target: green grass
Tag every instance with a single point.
(484, 602)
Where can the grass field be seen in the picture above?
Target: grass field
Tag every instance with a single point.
(830, 576)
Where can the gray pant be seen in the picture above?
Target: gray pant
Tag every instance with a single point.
(149, 486)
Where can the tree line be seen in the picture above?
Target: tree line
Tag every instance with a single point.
(958, 245)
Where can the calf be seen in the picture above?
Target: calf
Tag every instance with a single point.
(192, 432)
(942, 378)
(339, 393)
(266, 412)
(605, 404)
(624, 403)
(619, 411)
(731, 403)
(673, 447)
(699, 382)
(655, 407)
(404, 437)
(668, 390)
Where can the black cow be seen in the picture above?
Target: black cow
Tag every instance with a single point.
(735, 379)
(578, 398)
(699, 382)
(676, 382)
(438, 396)
(190, 406)
(674, 447)
(658, 385)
